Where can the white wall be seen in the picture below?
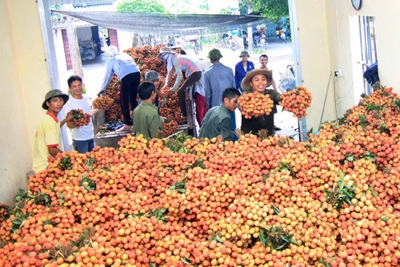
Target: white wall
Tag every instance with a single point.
(324, 33)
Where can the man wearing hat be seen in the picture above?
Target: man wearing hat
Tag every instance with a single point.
(242, 68)
(47, 136)
(194, 76)
(216, 79)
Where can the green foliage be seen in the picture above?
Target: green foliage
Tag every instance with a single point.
(341, 194)
(140, 6)
(276, 237)
(65, 163)
(88, 183)
(179, 186)
(273, 9)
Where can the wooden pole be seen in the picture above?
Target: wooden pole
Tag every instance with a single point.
(74, 48)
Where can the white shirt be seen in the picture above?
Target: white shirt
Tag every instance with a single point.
(84, 132)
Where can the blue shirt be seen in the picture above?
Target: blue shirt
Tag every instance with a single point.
(216, 79)
(240, 72)
(121, 65)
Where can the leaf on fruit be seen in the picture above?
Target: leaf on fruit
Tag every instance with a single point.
(185, 261)
(262, 238)
(276, 210)
(385, 219)
(372, 191)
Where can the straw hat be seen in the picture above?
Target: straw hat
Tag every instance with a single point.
(164, 50)
(249, 76)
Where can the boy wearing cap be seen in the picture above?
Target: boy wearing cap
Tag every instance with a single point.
(146, 117)
(216, 79)
(47, 136)
(218, 119)
(242, 68)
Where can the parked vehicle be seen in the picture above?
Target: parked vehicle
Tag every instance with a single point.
(195, 44)
(87, 50)
(287, 81)
(231, 43)
(228, 41)
(259, 40)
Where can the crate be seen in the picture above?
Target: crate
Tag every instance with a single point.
(109, 139)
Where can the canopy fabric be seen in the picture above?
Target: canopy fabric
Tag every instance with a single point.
(160, 23)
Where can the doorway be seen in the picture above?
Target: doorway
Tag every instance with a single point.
(364, 52)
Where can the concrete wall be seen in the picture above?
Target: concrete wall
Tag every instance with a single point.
(24, 81)
(326, 37)
(124, 40)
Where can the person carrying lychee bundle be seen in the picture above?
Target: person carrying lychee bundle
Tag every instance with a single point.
(257, 81)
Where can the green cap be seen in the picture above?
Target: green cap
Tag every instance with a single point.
(214, 54)
(53, 93)
(244, 53)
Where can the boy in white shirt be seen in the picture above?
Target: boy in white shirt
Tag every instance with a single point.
(82, 137)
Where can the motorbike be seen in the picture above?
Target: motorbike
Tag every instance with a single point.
(196, 46)
(225, 40)
(259, 40)
(287, 81)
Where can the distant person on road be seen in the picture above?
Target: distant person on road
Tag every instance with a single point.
(82, 137)
(242, 68)
(147, 120)
(194, 76)
(128, 73)
(264, 63)
(47, 135)
(218, 119)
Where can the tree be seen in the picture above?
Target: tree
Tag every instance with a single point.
(273, 9)
(148, 6)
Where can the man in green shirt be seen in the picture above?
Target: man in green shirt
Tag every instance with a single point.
(218, 119)
(146, 119)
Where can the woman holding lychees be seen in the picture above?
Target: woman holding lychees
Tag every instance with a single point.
(257, 102)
